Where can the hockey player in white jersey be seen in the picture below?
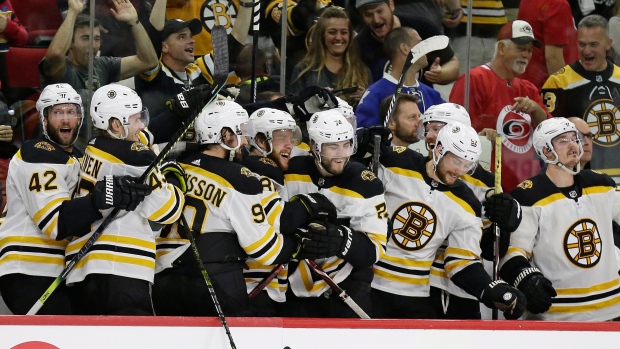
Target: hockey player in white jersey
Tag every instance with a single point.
(562, 254)
(272, 135)
(115, 276)
(232, 216)
(356, 241)
(428, 203)
(451, 302)
(40, 212)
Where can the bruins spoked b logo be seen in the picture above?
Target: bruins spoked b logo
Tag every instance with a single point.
(414, 225)
(582, 243)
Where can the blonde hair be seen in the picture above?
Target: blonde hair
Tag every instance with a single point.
(353, 72)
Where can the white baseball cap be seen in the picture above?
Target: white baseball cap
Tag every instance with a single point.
(520, 32)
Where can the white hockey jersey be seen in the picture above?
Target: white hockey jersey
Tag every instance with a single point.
(41, 176)
(358, 197)
(479, 182)
(570, 239)
(424, 213)
(271, 178)
(127, 246)
(225, 197)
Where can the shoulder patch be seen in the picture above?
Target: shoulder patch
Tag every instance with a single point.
(139, 146)
(399, 149)
(368, 175)
(246, 172)
(526, 184)
(268, 161)
(45, 146)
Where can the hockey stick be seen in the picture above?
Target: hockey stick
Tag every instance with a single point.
(205, 275)
(376, 152)
(498, 189)
(424, 47)
(255, 32)
(261, 286)
(220, 57)
(343, 295)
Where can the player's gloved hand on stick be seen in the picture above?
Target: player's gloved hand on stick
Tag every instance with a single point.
(319, 242)
(537, 289)
(318, 206)
(185, 104)
(500, 295)
(366, 143)
(325, 239)
(174, 174)
(121, 192)
(309, 101)
(504, 210)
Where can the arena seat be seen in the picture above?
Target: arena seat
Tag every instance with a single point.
(41, 18)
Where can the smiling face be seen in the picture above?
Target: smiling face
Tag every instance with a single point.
(379, 18)
(515, 58)
(337, 36)
(78, 51)
(593, 45)
(451, 167)
(62, 123)
(335, 155)
(178, 48)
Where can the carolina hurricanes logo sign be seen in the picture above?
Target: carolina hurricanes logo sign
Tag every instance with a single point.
(517, 130)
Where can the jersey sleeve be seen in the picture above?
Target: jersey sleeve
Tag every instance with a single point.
(258, 238)
(523, 239)
(371, 218)
(463, 244)
(165, 203)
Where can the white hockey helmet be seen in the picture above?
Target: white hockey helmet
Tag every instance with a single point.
(330, 126)
(548, 130)
(217, 116)
(119, 102)
(59, 94)
(460, 140)
(347, 111)
(447, 113)
(268, 120)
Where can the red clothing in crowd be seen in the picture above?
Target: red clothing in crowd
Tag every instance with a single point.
(553, 25)
(490, 104)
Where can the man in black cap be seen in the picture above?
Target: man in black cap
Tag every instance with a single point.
(178, 70)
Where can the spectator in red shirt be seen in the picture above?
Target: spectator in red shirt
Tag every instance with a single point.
(553, 25)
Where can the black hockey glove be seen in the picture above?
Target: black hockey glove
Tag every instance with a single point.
(500, 295)
(311, 100)
(366, 143)
(537, 289)
(319, 242)
(120, 192)
(174, 174)
(186, 103)
(318, 206)
(504, 210)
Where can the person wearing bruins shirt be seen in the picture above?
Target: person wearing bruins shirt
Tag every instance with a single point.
(589, 88)
(272, 135)
(41, 214)
(233, 216)
(428, 203)
(115, 276)
(347, 249)
(562, 254)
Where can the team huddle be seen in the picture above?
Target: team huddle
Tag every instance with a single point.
(283, 219)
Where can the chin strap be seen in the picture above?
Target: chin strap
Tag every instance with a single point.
(573, 172)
